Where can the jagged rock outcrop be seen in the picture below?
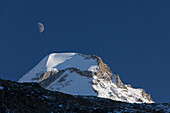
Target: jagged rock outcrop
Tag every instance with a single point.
(78, 74)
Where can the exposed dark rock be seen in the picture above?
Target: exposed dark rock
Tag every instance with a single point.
(32, 98)
(52, 76)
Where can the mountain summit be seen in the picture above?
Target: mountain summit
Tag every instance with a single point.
(78, 74)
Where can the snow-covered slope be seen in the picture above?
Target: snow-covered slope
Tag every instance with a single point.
(79, 74)
(59, 61)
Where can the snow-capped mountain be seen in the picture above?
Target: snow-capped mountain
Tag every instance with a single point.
(78, 74)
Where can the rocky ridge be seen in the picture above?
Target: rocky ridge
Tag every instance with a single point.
(32, 98)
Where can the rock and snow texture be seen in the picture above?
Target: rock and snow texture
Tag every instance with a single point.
(74, 84)
(79, 74)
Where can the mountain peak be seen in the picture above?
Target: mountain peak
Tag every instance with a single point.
(79, 74)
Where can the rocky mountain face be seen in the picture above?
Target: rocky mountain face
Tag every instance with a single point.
(78, 74)
(32, 98)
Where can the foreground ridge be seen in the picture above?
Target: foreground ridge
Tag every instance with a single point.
(31, 97)
(88, 75)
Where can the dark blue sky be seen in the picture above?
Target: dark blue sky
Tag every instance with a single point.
(131, 36)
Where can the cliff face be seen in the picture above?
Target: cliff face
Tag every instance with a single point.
(79, 74)
(115, 87)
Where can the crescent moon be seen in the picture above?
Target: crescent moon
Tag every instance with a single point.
(40, 27)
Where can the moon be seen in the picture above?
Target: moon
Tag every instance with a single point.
(40, 27)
